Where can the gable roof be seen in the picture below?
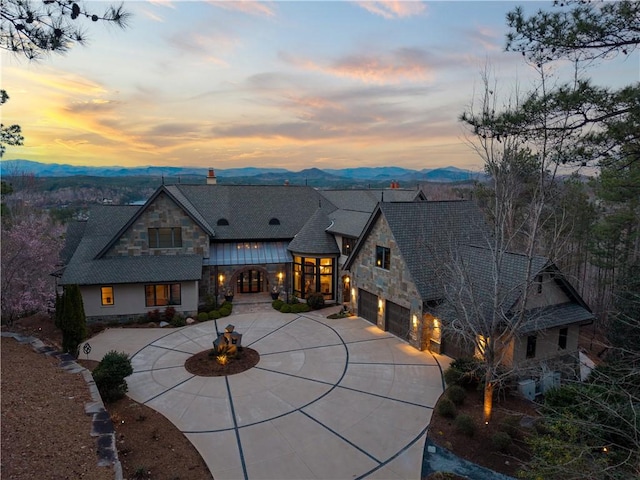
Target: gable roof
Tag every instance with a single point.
(425, 232)
(365, 200)
(102, 226)
(178, 198)
(313, 238)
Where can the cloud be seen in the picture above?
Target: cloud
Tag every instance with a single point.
(392, 9)
(486, 38)
(209, 47)
(251, 7)
(400, 65)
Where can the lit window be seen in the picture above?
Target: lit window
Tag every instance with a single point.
(165, 237)
(347, 245)
(106, 294)
(162, 294)
(383, 257)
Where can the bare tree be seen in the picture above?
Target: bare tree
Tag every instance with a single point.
(490, 308)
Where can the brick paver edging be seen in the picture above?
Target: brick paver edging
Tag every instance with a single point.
(101, 426)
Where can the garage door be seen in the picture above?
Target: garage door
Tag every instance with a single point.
(397, 320)
(368, 306)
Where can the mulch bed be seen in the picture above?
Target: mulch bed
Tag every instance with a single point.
(204, 364)
(478, 448)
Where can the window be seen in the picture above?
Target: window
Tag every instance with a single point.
(106, 295)
(562, 338)
(165, 237)
(383, 257)
(162, 294)
(313, 275)
(538, 282)
(274, 221)
(223, 221)
(531, 346)
(347, 245)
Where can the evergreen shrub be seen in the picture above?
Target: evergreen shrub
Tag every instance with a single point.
(446, 408)
(316, 300)
(464, 424)
(110, 375)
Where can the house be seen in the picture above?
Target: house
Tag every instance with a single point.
(418, 266)
(188, 244)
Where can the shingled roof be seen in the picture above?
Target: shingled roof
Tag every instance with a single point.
(99, 230)
(254, 212)
(313, 238)
(425, 233)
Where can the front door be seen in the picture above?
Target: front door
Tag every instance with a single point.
(251, 281)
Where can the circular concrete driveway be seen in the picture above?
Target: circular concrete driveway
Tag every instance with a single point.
(329, 398)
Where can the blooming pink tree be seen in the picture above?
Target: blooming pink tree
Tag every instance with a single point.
(30, 250)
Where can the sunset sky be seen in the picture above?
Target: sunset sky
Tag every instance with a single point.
(299, 84)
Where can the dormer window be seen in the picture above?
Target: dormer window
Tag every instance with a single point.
(274, 221)
(223, 221)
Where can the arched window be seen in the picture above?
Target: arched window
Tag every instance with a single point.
(274, 221)
(223, 221)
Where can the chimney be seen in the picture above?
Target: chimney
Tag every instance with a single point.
(211, 177)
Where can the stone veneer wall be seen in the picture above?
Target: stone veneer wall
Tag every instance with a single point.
(395, 284)
(162, 213)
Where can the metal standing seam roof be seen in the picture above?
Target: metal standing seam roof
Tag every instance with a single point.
(248, 253)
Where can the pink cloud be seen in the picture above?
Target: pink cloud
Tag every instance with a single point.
(403, 64)
(251, 7)
(393, 8)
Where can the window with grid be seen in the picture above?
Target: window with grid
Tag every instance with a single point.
(162, 294)
(165, 237)
(383, 257)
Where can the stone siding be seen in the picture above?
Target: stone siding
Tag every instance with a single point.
(395, 284)
(162, 213)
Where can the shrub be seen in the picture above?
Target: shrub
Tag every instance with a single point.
(285, 308)
(446, 408)
(501, 441)
(226, 304)
(315, 301)
(225, 311)
(456, 394)
(178, 321)
(169, 313)
(511, 426)
(464, 371)
(293, 300)
(203, 316)
(154, 315)
(214, 315)
(277, 304)
(300, 308)
(464, 424)
(110, 375)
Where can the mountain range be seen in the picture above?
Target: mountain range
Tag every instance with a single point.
(310, 176)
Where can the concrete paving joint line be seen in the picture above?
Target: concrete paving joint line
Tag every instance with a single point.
(101, 426)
